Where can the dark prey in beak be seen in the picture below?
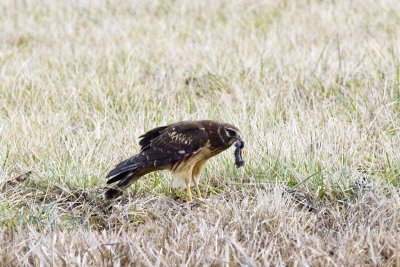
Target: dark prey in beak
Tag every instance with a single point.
(239, 162)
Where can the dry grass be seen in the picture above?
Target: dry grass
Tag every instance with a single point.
(314, 86)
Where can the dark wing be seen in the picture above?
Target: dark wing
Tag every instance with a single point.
(137, 161)
(161, 147)
(174, 144)
(184, 127)
(147, 137)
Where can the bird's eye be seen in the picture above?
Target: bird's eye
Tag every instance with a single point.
(230, 132)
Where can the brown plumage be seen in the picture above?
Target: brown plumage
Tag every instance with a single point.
(182, 147)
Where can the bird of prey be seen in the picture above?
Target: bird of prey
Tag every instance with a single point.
(183, 148)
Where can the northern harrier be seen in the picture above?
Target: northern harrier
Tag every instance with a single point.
(182, 148)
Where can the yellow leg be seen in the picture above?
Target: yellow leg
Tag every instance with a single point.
(189, 192)
(198, 191)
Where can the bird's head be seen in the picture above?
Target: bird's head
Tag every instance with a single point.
(230, 134)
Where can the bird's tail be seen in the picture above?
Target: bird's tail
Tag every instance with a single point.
(124, 179)
(125, 173)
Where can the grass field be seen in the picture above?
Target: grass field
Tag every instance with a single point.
(313, 86)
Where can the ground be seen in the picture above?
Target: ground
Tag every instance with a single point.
(313, 86)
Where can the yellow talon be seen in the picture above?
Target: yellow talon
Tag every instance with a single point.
(189, 192)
